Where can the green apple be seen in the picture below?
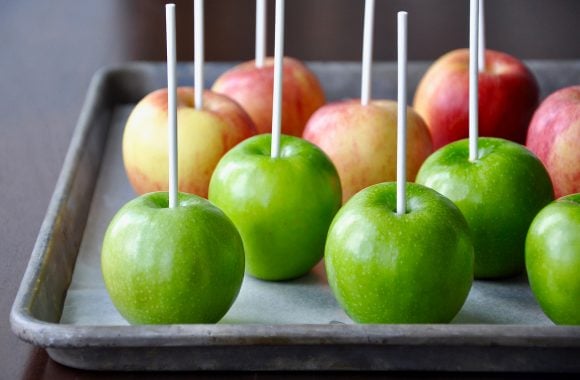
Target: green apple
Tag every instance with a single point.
(553, 259)
(499, 194)
(390, 268)
(281, 206)
(172, 265)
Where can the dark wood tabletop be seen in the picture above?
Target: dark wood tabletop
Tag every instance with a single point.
(49, 51)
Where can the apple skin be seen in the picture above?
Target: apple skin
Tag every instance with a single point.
(553, 259)
(282, 207)
(386, 268)
(554, 136)
(252, 88)
(508, 96)
(203, 138)
(361, 141)
(499, 194)
(172, 265)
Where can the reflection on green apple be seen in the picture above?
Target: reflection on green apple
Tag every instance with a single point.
(281, 206)
(390, 268)
(499, 194)
(172, 265)
(553, 259)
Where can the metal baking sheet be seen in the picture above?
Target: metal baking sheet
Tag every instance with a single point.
(62, 304)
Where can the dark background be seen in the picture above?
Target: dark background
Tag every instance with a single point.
(332, 29)
(50, 49)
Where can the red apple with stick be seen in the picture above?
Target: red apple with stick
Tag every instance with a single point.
(360, 136)
(251, 84)
(251, 87)
(508, 94)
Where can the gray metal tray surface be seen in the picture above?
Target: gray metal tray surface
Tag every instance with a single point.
(62, 304)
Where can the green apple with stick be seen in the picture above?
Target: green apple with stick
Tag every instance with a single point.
(498, 185)
(171, 257)
(280, 191)
(281, 206)
(398, 252)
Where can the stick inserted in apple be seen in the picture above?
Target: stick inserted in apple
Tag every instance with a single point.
(498, 185)
(210, 124)
(508, 93)
(398, 252)
(251, 84)
(280, 191)
(171, 257)
(359, 136)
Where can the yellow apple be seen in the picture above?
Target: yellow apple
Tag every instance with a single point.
(204, 136)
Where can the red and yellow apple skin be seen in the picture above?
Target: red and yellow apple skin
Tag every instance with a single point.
(252, 88)
(203, 138)
(508, 96)
(554, 136)
(361, 141)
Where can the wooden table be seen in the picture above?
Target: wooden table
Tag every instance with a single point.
(48, 52)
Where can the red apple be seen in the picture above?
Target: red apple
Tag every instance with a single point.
(204, 137)
(252, 88)
(361, 141)
(554, 136)
(508, 96)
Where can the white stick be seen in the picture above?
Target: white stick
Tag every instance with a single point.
(365, 92)
(260, 32)
(481, 42)
(278, 61)
(198, 53)
(473, 78)
(171, 103)
(401, 112)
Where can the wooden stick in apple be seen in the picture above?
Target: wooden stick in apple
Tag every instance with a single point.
(481, 31)
(367, 52)
(198, 52)
(473, 79)
(278, 77)
(171, 103)
(401, 111)
(260, 33)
